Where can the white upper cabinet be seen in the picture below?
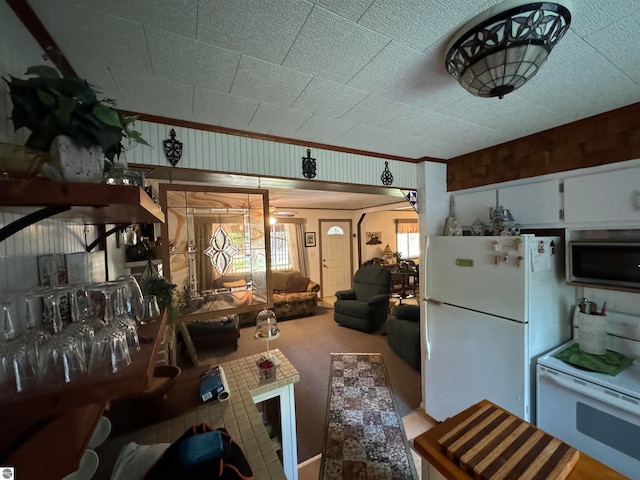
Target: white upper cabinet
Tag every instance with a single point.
(533, 204)
(472, 205)
(605, 197)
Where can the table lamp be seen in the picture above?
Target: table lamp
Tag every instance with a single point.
(267, 329)
(387, 253)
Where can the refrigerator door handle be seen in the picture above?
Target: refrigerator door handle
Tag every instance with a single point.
(426, 330)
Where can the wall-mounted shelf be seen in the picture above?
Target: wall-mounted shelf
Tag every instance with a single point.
(90, 203)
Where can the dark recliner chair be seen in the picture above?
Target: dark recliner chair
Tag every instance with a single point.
(365, 306)
(403, 334)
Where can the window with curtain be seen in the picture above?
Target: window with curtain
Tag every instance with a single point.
(287, 246)
(280, 257)
(408, 238)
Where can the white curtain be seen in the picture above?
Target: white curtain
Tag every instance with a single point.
(297, 251)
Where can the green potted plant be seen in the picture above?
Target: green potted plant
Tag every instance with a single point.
(52, 106)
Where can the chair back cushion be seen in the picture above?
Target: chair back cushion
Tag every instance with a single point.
(371, 280)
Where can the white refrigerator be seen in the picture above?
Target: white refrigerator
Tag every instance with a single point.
(493, 306)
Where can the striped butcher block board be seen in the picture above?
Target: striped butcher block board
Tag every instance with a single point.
(496, 445)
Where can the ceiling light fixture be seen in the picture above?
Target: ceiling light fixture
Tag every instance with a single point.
(501, 49)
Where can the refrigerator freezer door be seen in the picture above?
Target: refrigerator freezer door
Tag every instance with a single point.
(462, 271)
(475, 356)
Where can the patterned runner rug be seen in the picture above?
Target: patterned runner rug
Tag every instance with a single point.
(364, 439)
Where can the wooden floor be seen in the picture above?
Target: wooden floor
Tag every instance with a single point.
(414, 424)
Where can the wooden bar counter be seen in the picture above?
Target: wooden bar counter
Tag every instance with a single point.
(426, 444)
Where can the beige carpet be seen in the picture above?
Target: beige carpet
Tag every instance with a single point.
(308, 343)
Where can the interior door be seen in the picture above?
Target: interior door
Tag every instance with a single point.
(335, 251)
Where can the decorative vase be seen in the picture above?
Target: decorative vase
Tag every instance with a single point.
(17, 161)
(75, 163)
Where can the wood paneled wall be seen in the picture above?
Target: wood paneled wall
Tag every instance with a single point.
(606, 138)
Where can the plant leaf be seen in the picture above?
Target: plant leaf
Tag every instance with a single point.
(107, 115)
(66, 106)
(137, 137)
(44, 71)
(46, 98)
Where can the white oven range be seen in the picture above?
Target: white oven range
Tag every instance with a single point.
(596, 413)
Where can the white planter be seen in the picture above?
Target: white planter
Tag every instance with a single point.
(75, 163)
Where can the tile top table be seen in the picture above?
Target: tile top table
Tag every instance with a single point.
(239, 415)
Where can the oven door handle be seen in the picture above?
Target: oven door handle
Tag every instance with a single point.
(593, 391)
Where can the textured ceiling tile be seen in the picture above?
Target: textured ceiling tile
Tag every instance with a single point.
(393, 72)
(136, 92)
(278, 120)
(268, 82)
(191, 61)
(562, 86)
(350, 9)
(258, 28)
(175, 16)
(85, 37)
(364, 136)
(323, 129)
(417, 23)
(328, 98)
(376, 111)
(523, 116)
(217, 108)
(413, 146)
(589, 17)
(333, 48)
(608, 42)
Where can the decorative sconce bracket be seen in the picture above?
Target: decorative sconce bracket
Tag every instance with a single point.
(308, 165)
(172, 148)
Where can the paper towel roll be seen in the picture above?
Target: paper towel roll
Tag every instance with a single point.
(223, 396)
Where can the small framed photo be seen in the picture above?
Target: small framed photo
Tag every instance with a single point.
(310, 239)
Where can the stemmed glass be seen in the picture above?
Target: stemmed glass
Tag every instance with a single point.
(110, 350)
(36, 335)
(81, 317)
(62, 359)
(125, 319)
(132, 296)
(13, 357)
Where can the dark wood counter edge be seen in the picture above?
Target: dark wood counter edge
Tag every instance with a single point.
(426, 444)
(25, 420)
(56, 449)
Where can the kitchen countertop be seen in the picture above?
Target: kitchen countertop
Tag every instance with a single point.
(239, 415)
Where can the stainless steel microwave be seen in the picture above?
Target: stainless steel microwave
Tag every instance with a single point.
(605, 263)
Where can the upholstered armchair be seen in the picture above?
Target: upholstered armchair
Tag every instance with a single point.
(365, 306)
(403, 334)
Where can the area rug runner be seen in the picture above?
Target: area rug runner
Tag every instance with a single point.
(364, 438)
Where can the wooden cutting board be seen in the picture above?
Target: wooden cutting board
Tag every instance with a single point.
(494, 445)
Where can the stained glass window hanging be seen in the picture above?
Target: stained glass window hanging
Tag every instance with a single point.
(221, 250)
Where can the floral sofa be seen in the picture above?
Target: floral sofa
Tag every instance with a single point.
(293, 295)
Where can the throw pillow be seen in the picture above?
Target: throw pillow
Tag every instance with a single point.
(279, 281)
(297, 284)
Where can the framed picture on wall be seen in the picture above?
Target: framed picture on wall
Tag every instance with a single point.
(310, 239)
